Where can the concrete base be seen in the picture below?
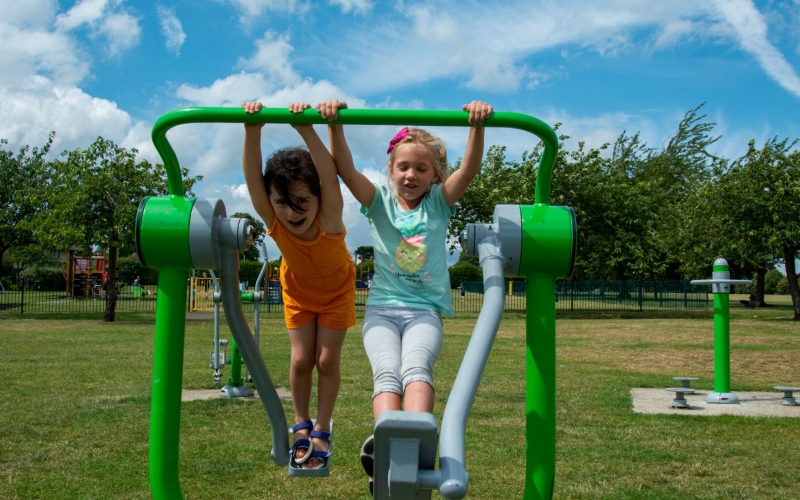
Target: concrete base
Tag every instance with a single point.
(751, 404)
(722, 398)
(204, 394)
(230, 391)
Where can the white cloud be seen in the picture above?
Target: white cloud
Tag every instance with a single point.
(357, 6)
(36, 51)
(672, 33)
(122, 31)
(751, 29)
(228, 91)
(240, 192)
(85, 12)
(449, 39)
(29, 14)
(272, 58)
(171, 28)
(251, 10)
(119, 29)
(30, 113)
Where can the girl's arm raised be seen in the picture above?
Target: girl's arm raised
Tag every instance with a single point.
(362, 188)
(331, 202)
(456, 185)
(251, 166)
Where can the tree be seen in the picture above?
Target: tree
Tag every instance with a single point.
(365, 252)
(459, 273)
(465, 258)
(764, 200)
(498, 181)
(91, 200)
(252, 253)
(20, 179)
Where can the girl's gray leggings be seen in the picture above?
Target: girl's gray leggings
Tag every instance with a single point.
(402, 343)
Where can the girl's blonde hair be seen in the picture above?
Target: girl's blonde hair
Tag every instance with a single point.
(429, 142)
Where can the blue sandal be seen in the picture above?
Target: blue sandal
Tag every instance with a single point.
(300, 467)
(323, 455)
(301, 444)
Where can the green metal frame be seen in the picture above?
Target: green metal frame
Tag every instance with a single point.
(550, 259)
(722, 338)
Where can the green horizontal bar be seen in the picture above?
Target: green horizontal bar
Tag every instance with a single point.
(499, 119)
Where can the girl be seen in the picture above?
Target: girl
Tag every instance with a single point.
(402, 324)
(298, 196)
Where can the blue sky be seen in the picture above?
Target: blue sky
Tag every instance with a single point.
(112, 67)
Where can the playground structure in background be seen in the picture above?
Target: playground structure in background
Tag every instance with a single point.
(201, 290)
(219, 356)
(84, 275)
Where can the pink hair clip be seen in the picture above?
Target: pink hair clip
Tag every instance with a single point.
(397, 138)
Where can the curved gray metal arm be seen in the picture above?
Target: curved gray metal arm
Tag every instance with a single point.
(252, 358)
(453, 479)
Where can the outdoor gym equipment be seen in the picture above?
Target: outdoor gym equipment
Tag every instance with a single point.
(176, 233)
(721, 288)
(235, 386)
(788, 399)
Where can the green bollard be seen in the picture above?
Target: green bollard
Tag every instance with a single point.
(548, 253)
(721, 287)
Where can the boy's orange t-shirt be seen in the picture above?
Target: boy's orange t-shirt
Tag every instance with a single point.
(318, 278)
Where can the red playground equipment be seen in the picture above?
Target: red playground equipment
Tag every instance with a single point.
(84, 275)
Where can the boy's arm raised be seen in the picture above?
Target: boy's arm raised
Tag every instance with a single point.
(251, 167)
(331, 202)
(362, 188)
(456, 185)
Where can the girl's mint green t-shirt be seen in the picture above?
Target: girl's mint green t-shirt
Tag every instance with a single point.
(410, 251)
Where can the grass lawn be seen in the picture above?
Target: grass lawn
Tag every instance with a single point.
(75, 416)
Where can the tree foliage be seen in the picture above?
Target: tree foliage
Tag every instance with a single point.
(20, 180)
(668, 213)
(91, 198)
(365, 252)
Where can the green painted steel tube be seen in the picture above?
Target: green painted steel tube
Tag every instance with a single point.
(165, 410)
(354, 117)
(235, 380)
(722, 343)
(722, 339)
(548, 240)
(540, 380)
(162, 231)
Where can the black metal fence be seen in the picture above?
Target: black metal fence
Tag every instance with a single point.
(598, 296)
(570, 296)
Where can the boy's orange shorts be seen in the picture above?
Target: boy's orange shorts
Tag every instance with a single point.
(338, 314)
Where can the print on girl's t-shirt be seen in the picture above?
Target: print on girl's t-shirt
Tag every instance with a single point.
(411, 254)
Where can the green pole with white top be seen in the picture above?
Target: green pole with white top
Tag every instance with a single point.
(721, 287)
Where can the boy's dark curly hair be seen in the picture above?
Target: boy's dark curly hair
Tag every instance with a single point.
(286, 166)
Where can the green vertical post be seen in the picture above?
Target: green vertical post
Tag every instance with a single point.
(722, 342)
(721, 286)
(235, 380)
(165, 410)
(548, 253)
(540, 395)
